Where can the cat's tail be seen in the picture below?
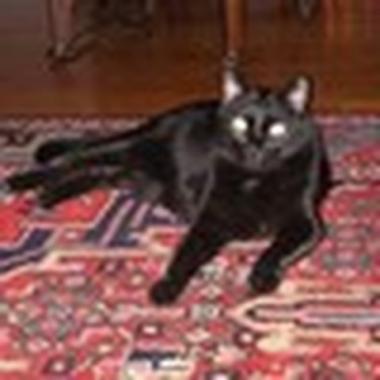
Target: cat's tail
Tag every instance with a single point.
(76, 184)
(59, 147)
(62, 147)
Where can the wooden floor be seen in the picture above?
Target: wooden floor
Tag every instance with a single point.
(132, 73)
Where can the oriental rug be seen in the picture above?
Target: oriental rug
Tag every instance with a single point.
(74, 281)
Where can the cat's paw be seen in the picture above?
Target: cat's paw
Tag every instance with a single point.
(164, 292)
(264, 279)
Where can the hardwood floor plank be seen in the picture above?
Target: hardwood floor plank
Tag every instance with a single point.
(134, 74)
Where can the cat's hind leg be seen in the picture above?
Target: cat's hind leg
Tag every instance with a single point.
(31, 179)
(57, 148)
(77, 184)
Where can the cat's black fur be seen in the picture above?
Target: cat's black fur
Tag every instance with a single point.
(249, 165)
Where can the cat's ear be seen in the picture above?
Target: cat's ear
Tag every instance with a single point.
(233, 86)
(299, 94)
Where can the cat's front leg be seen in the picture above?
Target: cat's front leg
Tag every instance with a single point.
(297, 238)
(201, 244)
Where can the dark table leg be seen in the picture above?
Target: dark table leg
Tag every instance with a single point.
(60, 13)
(69, 41)
(307, 8)
(234, 29)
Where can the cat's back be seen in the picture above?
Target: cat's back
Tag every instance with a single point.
(192, 120)
(185, 135)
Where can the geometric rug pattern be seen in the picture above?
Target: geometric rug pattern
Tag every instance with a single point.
(74, 281)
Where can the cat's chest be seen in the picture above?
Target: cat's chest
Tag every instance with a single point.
(252, 200)
(237, 185)
(243, 209)
(248, 186)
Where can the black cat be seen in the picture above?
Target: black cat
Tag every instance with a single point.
(250, 165)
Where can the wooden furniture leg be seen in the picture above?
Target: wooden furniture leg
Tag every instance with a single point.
(234, 29)
(306, 8)
(67, 41)
(60, 15)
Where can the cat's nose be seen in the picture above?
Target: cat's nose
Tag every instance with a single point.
(254, 157)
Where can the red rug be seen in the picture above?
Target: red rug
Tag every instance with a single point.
(73, 283)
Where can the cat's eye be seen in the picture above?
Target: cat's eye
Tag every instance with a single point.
(278, 130)
(240, 127)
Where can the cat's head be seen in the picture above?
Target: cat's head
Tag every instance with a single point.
(266, 126)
